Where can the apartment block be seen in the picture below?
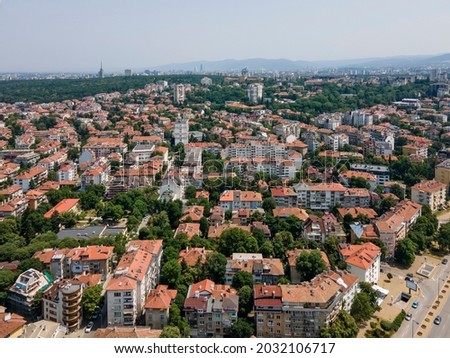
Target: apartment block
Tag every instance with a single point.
(238, 199)
(381, 172)
(135, 276)
(396, 223)
(255, 92)
(431, 193)
(322, 196)
(179, 94)
(301, 311)
(181, 130)
(31, 178)
(356, 197)
(22, 293)
(91, 259)
(210, 309)
(62, 303)
(363, 261)
(442, 172)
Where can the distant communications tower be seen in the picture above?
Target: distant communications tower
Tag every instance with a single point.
(100, 72)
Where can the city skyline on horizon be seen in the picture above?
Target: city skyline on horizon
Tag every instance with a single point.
(51, 36)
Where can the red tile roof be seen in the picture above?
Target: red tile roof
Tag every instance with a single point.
(63, 206)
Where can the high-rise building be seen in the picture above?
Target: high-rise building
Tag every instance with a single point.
(179, 94)
(255, 92)
(127, 72)
(181, 130)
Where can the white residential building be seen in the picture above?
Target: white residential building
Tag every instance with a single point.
(255, 92)
(363, 261)
(181, 130)
(179, 94)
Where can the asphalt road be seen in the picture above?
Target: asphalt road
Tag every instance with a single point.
(443, 330)
(428, 289)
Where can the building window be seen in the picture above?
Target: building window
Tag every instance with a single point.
(117, 314)
(117, 294)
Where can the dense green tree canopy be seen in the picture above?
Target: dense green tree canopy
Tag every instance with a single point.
(310, 264)
(343, 327)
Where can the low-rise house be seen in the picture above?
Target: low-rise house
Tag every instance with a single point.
(193, 255)
(214, 232)
(35, 198)
(190, 229)
(11, 325)
(157, 307)
(267, 271)
(217, 216)
(284, 213)
(356, 212)
(64, 206)
(192, 213)
(320, 228)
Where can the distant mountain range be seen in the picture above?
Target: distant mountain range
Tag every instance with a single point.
(283, 64)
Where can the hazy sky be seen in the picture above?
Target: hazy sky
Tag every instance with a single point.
(75, 35)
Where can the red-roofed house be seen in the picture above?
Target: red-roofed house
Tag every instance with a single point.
(157, 307)
(64, 206)
(190, 229)
(363, 261)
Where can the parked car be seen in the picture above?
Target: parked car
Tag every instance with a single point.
(89, 327)
(444, 261)
(410, 275)
(437, 320)
(408, 316)
(415, 304)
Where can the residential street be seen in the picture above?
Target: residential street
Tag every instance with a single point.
(428, 291)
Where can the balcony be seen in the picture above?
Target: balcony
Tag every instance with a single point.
(71, 298)
(69, 305)
(71, 321)
(73, 311)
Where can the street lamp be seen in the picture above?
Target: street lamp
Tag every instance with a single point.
(412, 327)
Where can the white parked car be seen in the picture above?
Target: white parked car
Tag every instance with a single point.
(89, 327)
